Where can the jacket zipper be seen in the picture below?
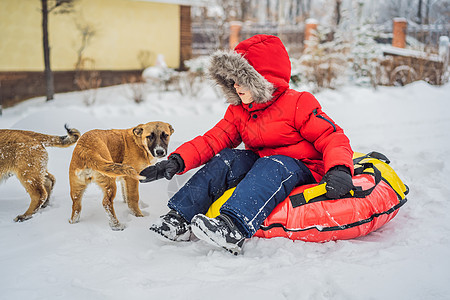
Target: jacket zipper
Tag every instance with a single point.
(325, 119)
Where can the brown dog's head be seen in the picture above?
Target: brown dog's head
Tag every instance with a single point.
(154, 137)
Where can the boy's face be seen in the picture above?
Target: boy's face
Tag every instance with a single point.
(244, 94)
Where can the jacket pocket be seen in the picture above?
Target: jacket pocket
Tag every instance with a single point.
(325, 119)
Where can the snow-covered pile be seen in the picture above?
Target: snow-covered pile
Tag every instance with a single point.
(48, 258)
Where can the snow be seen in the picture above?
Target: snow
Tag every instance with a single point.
(408, 258)
(400, 20)
(409, 52)
(311, 21)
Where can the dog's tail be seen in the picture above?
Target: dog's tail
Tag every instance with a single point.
(112, 169)
(61, 141)
(106, 167)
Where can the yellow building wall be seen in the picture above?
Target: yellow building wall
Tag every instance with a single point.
(123, 29)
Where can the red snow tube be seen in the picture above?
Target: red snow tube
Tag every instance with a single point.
(376, 201)
(309, 216)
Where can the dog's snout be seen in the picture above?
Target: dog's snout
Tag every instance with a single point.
(160, 152)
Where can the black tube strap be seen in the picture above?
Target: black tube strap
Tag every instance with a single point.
(358, 192)
(341, 227)
(373, 154)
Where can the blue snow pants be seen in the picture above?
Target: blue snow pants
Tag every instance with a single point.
(261, 184)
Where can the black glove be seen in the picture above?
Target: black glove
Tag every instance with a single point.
(338, 181)
(163, 169)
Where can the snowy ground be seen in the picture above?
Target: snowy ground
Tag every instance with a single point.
(409, 258)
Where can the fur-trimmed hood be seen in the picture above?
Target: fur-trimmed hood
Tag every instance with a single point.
(260, 63)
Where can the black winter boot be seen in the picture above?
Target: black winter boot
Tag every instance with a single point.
(220, 231)
(172, 226)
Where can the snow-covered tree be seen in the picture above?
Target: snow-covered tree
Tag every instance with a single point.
(323, 63)
(365, 54)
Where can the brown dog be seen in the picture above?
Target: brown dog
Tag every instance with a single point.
(22, 153)
(102, 156)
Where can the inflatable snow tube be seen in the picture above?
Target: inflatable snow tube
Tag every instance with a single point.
(308, 215)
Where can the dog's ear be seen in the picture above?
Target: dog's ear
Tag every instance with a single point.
(138, 130)
(171, 129)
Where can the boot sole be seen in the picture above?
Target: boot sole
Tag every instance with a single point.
(202, 235)
(162, 237)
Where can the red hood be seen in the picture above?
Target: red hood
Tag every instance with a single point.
(260, 63)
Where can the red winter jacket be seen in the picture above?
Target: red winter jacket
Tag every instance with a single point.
(279, 121)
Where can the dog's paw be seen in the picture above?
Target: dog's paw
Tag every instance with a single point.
(21, 218)
(118, 227)
(137, 214)
(75, 218)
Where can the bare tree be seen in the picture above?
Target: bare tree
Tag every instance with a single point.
(427, 13)
(337, 8)
(87, 32)
(419, 12)
(48, 6)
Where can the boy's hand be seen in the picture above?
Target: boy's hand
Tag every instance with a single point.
(163, 169)
(338, 181)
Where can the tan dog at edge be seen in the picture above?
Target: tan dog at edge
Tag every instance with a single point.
(22, 153)
(102, 156)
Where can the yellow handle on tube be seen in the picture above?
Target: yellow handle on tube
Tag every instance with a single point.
(317, 191)
(314, 192)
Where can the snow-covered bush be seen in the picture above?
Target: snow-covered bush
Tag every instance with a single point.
(187, 83)
(322, 64)
(136, 88)
(198, 64)
(88, 80)
(365, 56)
(191, 82)
(159, 75)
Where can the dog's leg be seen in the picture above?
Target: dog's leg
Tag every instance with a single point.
(132, 189)
(124, 189)
(109, 187)
(48, 184)
(36, 190)
(32, 177)
(77, 187)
